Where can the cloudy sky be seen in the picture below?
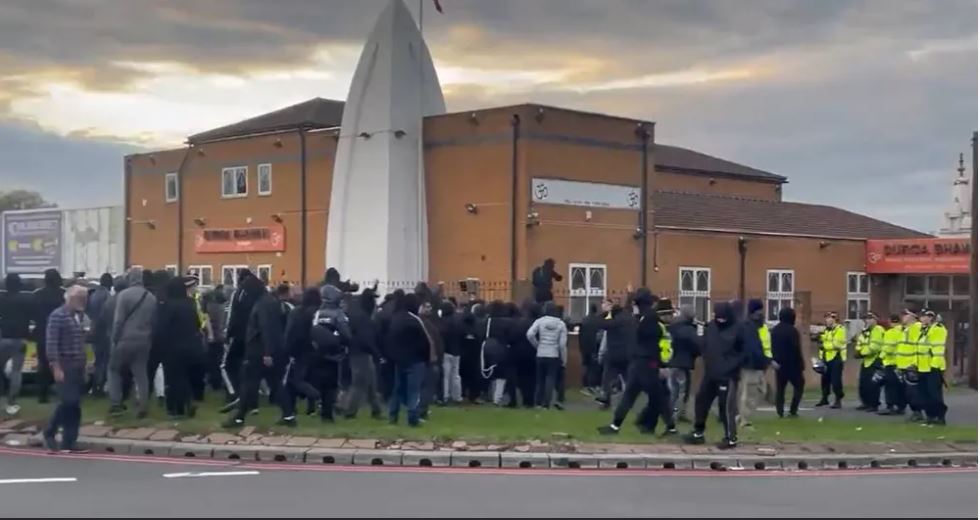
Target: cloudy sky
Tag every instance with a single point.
(863, 104)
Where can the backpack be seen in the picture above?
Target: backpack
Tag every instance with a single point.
(326, 338)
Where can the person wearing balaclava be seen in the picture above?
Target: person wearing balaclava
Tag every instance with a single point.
(758, 348)
(542, 279)
(46, 300)
(724, 357)
(249, 290)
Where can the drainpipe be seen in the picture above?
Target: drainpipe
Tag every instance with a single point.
(127, 227)
(644, 135)
(180, 209)
(742, 250)
(515, 136)
(302, 207)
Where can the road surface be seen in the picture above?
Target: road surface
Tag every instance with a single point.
(32, 484)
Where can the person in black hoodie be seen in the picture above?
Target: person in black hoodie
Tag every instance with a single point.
(619, 326)
(299, 348)
(16, 312)
(542, 279)
(685, 345)
(469, 354)
(364, 350)
(46, 299)
(410, 351)
(646, 368)
(177, 333)
(787, 356)
(497, 364)
(264, 338)
(588, 345)
(382, 319)
(332, 277)
(523, 354)
(724, 356)
(250, 289)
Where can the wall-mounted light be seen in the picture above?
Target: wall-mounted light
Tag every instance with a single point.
(778, 189)
(471, 208)
(588, 215)
(533, 219)
(248, 220)
(473, 119)
(642, 132)
(364, 135)
(399, 134)
(638, 233)
(199, 221)
(824, 244)
(540, 115)
(712, 182)
(277, 143)
(200, 151)
(277, 217)
(152, 224)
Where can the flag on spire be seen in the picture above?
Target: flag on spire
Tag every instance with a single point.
(438, 5)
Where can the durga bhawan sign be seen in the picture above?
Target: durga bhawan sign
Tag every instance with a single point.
(925, 255)
(238, 240)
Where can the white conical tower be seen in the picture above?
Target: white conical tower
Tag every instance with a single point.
(957, 219)
(377, 227)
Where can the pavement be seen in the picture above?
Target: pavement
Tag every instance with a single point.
(37, 484)
(962, 404)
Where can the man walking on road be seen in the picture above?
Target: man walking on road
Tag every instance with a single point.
(66, 354)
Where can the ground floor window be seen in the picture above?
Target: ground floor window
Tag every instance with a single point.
(171, 268)
(586, 287)
(695, 290)
(229, 274)
(203, 273)
(780, 284)
(264, 272)
(858, 295)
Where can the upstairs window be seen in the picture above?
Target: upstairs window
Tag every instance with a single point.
(171, 187)
(234, 182)
(265, 179)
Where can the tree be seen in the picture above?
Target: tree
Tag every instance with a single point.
(22, 199)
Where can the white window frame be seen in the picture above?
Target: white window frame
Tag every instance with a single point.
(268, 169)
(171, 268)
(695, 293)
(199, 270)
(857, 296)
(234, 171)
(781, 296)
(264, 267)
(591, 295)
(234, 274)
(166, 187)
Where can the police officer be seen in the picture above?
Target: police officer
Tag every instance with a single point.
(905, 362)
(648, 358)
(931, 364)
(833, 352)
(894, 391)
(869, 346)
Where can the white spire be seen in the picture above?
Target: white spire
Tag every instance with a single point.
(377, 227)
(957, 218)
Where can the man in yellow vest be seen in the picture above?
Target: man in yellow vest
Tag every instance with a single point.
(894, 391)
(833, 353)
(905, 362)
(869, 346)
(931, 364)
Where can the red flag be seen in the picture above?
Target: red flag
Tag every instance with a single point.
(438, 5)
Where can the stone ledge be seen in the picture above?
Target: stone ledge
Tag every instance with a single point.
(524, 460)
(475, 459)
(378, 458)
(437, 459)
(335, 456)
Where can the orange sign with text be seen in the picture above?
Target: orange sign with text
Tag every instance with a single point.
(918, 256)
(241, 240)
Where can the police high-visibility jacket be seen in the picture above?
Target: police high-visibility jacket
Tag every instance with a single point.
(905, 351)
(833, 344)
(931, 349)
(202, 316)
(666, 347)
(869, 344)
(766, 340)
(893, 337)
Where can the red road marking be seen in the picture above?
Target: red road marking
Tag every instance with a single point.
(149, 459)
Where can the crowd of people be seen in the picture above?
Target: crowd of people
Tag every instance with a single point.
(338, 347)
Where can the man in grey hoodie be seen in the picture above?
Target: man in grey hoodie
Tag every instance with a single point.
(131, 338)
(549, 335)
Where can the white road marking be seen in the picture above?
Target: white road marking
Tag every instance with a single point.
(210, 474)
(36, 480)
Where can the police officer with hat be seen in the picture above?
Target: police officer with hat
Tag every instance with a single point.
(833, 354)
(868, 348)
